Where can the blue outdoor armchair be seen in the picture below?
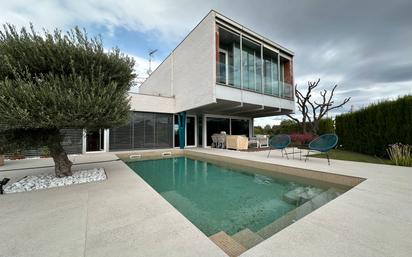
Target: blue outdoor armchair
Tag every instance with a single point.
(279, 142)
(323, 144)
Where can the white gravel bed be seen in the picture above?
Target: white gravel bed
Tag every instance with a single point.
(43, 181)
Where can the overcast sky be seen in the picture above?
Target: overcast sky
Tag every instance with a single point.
(365, 46)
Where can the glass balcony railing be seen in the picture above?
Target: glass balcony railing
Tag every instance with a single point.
(287, 91)
(231, 77)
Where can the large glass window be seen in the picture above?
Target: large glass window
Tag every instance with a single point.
(240, 63)
(252, 65)
(223, 72)
(270, 72)
(228, 58)
(286, 78)
(144, 131)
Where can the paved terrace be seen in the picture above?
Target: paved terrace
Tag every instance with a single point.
(123, 216)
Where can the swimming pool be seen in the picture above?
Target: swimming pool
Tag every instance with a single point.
(218, 197)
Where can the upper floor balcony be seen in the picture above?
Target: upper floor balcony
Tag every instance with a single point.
(246, 64)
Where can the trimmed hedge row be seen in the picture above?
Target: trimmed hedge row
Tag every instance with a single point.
(326, 126)
(372, 129)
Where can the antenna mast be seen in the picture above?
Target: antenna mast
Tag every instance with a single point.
(151, 53)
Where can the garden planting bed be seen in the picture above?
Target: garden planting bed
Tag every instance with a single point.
(36, 182)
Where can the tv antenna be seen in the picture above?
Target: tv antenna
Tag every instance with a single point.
(151, 53)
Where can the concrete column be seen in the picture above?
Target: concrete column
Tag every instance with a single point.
(204, 131)
(251, 127)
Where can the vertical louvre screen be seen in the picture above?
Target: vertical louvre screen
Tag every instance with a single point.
(72, 143)
(138, 130)
(164, 130)
(121, 137)
(144, 131)
(73, 140)
(149, 130)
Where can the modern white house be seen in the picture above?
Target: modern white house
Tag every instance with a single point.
(220, 77)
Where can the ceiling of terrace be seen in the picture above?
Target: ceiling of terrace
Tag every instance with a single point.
(230, 108)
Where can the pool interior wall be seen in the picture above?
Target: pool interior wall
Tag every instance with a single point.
(246, 204)
(263, 167)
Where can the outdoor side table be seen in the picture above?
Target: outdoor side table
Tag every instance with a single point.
(297, 149)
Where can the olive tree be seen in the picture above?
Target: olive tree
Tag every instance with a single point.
(54, 80)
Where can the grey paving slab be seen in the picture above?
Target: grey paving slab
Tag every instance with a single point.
(43, 224)
(307, 239)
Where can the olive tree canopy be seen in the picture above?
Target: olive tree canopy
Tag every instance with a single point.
(52, 81)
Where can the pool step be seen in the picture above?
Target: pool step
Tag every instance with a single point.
(229, 245)
(247, 238)
(297, 213)
(301, 194)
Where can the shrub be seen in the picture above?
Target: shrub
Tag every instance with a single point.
(258, 130)
(373, 128)
(400, 154)
(297, 138)
(288, 127)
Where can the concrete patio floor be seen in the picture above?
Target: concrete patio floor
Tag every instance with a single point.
(124, 216)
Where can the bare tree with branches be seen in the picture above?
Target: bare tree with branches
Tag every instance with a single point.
(312, 111)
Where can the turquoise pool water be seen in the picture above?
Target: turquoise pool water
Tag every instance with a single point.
(219, 198)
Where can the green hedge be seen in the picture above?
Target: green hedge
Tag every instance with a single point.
(373, 128)
(326, 126)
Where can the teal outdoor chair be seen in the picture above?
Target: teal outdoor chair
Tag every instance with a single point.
(323, 144)
(279, 142)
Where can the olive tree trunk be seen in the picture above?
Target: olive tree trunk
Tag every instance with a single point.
(62, 164)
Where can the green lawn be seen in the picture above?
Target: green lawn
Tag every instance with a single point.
(352, 156)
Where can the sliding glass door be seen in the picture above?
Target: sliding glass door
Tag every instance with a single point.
(95, 139)
(191, 130)
(216, 125)
(239, 127)
(229, 125)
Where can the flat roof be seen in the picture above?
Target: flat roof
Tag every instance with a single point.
(251, 32)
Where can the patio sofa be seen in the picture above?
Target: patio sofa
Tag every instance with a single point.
(237, 142)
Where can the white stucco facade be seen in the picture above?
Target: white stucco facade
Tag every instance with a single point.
(188, 75)
(152, 103)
